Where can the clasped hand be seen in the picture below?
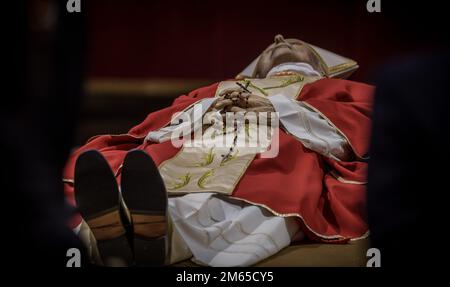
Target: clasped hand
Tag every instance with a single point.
(237, 100)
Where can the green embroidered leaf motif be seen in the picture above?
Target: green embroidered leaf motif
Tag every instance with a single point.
(185, 179)
(249, 83)
(201, 182)
(229, 158)
(207, 159)
(287, 82)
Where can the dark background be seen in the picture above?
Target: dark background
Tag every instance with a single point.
(142, 54)
(216, 39)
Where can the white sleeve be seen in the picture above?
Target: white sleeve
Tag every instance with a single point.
(164, 134)
(309, 127)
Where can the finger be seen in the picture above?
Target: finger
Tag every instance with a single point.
(261, 109)
(255, 102)
(236, 109)
(223, 103)
(234, 94)
(259, 100)
(227, 92)
(245, 95)
(241, 102)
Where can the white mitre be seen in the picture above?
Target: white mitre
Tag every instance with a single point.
(336, 66)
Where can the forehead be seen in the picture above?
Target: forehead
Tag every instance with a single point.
(294, 41)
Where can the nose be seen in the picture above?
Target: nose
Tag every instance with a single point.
(278, 39)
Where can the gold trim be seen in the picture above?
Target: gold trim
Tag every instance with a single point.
(343, 67)
(364, 236)
(67, 180)
(326, 237)
(343, 180)
(282, 79)
(116, 174)
(333, 125)
(289, 81)
(333, 69)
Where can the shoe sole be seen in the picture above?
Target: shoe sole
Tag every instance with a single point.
(145, 195)
(97, 199)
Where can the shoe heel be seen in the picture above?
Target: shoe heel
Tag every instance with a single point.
(116, 252)
(150, 252)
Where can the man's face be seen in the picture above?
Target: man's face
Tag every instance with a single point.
(282, 51)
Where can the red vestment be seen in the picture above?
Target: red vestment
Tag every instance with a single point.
(325, 195)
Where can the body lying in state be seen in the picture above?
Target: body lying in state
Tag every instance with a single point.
(232, 205)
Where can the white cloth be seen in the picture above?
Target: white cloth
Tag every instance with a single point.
(299, 67)
(310, 127)
(165, 133)
(217, 231)
(223, 232)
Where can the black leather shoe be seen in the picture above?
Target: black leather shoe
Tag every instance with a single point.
(145, 196)
(98, 200)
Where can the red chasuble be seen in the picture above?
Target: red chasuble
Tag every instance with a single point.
(327, 196)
